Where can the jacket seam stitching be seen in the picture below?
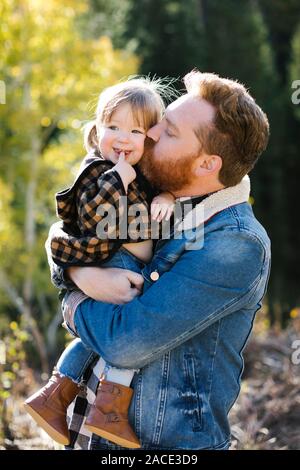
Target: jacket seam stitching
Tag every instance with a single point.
(162, 398)
(197, 329)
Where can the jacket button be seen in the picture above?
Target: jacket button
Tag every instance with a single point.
(154, 276)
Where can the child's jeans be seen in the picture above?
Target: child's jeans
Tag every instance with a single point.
(76, 357)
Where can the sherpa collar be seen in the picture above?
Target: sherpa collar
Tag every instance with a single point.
(215, 203)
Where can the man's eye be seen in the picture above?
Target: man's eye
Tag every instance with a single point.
(169, 134)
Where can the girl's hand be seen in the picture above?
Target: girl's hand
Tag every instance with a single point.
(162, 206)
(125, 170)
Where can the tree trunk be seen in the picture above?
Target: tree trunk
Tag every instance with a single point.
(30, 240)
(26, 313)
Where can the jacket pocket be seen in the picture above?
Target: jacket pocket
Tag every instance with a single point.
(191, 395)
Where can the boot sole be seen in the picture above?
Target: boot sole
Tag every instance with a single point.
(112, 437)
(55, 435)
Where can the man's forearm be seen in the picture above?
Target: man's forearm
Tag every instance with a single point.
(168, 314)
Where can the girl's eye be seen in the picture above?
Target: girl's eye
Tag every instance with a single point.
(113, 128)
(136, 131)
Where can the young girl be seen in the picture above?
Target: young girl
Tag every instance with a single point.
(109, 183)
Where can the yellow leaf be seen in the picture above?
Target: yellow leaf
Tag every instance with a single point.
(294, 313)
(45, 121)
(13, 325)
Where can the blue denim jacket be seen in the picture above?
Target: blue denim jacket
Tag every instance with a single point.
(187, 331)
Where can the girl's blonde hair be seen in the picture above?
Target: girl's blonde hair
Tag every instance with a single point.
(142, 94)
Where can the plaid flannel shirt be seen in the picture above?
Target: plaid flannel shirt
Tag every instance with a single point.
(80, 437)
(75, 242)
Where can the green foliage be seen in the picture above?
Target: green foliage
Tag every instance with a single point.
(55, 59)
(282, 19)
(12, 364)
(53, 77)
(237, 45)
(12, 357)
(166, 35)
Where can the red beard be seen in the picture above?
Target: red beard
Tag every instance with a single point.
(166, 174)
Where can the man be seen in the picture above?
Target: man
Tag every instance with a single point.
(186, 332)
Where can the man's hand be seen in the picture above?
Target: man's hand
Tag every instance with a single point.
(111, 285)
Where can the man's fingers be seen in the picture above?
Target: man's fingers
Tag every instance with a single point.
(134, 293)
(135, 279)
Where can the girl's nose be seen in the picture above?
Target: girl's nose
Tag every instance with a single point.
(123, 136)
(154, 132)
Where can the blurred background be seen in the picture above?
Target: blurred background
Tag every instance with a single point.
(55, 59)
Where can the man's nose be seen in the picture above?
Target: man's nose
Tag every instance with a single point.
(154, 132)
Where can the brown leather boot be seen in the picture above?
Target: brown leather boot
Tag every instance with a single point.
(108, 416)
(48, 406)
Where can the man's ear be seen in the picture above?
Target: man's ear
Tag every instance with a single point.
(208, 164)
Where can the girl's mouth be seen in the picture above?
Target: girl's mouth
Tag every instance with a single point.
(126, 152)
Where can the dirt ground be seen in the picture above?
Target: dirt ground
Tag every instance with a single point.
(267, 412)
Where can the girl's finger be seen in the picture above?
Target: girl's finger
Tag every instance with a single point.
(155, 209)
(169, 213)
(163, 212)
(122, 157)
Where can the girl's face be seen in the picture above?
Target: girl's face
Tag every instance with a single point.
(121, 134)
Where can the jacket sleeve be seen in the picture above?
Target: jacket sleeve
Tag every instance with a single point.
(110, 190)
(201, 288)
(92, 241)
(57, 273)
